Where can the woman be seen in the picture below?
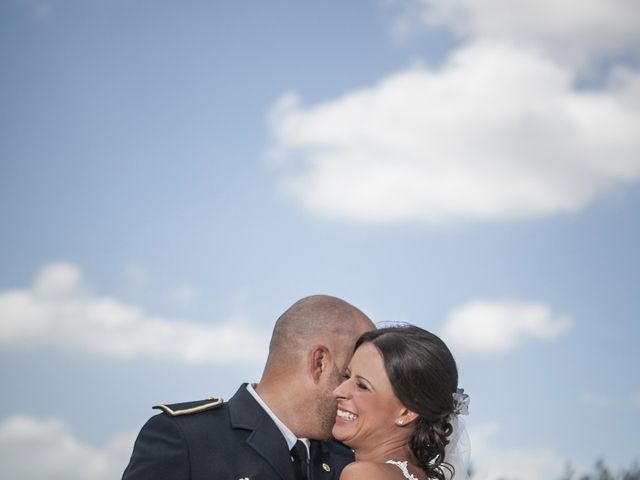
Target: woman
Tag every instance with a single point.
(398, 407)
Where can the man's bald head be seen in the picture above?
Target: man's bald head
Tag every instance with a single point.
(311, 346)
(316, 319)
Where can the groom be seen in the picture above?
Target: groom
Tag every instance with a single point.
(276, 429)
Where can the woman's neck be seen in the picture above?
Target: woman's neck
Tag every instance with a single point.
(392, 449)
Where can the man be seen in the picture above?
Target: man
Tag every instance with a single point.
(276, 429)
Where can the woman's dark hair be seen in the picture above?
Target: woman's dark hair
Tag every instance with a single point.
(424, 376)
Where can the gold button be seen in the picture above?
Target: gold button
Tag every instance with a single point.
(326, 467)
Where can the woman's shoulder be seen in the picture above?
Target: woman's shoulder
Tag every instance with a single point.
(370, 470)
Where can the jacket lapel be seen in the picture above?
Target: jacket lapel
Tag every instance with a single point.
(268, 441)
(265, 438)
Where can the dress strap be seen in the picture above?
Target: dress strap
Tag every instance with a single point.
(402, 465)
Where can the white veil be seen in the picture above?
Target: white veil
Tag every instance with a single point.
(457, 452)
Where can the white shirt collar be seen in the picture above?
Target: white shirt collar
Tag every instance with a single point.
(289, 436)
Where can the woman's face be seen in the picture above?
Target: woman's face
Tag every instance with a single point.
(367, 407)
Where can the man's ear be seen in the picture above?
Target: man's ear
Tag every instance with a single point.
(319, 361)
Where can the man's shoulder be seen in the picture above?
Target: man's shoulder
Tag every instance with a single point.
(201, 422)
(190, 408)
(190, 418)
(181, 433)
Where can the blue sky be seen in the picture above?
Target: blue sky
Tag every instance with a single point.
(172, 177)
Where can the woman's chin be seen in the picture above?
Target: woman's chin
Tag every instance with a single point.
(337, 433)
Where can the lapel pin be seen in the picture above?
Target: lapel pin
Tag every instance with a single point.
(326, 467)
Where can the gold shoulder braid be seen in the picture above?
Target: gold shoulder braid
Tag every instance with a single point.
(207, 404)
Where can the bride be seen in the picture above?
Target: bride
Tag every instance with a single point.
(398, 408)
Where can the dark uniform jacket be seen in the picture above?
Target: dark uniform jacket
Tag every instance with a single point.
(212, 440)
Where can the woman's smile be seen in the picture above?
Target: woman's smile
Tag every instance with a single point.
(345, 416)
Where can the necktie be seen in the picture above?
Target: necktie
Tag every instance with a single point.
(299, 455)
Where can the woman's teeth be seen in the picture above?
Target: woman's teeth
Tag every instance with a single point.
(346, 415)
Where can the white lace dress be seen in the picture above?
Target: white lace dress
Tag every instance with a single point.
(402, 465)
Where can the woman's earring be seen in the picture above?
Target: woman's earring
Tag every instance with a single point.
(400, 422)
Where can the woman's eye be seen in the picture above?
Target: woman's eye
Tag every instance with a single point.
(346, 375)
(362, 386)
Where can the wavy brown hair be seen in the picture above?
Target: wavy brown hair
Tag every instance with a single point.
(424, 376)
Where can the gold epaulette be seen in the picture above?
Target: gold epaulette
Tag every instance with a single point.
(207, 404)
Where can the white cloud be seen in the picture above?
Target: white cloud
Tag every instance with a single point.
(500, 326)
(58, 280)
(59, 312)
(491, 462)
(35, 449)
(498, 132)
(574, 31)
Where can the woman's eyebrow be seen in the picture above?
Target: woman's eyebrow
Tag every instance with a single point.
(363, 379)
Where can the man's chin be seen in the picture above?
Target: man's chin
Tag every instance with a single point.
(327, 433)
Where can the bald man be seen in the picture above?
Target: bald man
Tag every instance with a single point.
(276, 429)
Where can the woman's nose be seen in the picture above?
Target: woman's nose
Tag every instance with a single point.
(340, 390)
